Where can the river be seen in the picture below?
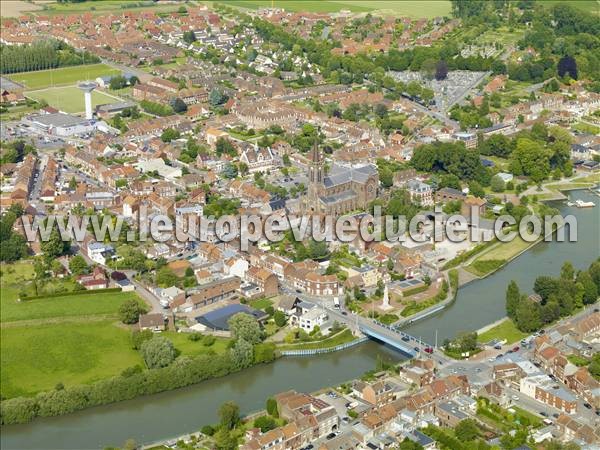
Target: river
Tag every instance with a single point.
(173, 413)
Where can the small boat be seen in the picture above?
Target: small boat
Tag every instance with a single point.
(570, 204)
(582, 204)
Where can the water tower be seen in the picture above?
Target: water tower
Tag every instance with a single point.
(87, 87)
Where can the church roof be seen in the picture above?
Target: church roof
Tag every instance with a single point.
(341, 174)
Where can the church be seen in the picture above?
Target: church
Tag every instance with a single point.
(342, 190)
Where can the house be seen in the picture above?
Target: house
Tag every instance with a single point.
(420, 192)
(316, 317)
(545, 390)
(99, 252)
(154, 322)
(212, 292)
(217, 319)
(95, 280)
(379, 393)
(266, 281)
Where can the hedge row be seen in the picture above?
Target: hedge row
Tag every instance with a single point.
(66, 294)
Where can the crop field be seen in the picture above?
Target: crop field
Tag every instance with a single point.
(61, 77)
(107, 6)
(70, 98)
(408, 8)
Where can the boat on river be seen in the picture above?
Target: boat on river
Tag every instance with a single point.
(582, 204)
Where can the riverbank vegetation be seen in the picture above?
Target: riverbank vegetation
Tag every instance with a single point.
(338, 338)
(554, 297)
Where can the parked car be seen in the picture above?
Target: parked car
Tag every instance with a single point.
(428, 350)
(587, 405)
(515, 349)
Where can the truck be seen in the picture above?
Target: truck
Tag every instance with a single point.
(336, 303)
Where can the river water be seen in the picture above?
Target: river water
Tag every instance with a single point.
(173, 413)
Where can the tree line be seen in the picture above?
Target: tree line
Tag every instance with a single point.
(555, 297)
(42, 55)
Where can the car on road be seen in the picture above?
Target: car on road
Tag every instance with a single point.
(555, 415)
(344, 313)
(515, 397)
(515, 349)
(405, 338)
(587, 405)
(331, 435)
(428, 350)
(543, 413)
(499, 356)
(298, 291)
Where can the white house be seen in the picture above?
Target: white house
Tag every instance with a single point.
(99, 253)
(237, 267)
(311, 319)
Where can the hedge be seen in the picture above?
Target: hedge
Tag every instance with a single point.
(66, 294)
(415, 291)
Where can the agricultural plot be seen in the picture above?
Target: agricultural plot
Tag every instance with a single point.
(416, 9)
(70, 98)
(61, 77)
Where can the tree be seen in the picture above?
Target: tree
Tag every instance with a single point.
(158, 352)
(512, 299)
(441, 70)
(265, 423)
(497, 184)
(272, 407)
(130, 310)
(77, 265)
(476, 189)
(178, 105)
(567, 271)
(280, 319)
(567, 65)
(165, 277)
(590, 290)
(54, 246)
(169, 134)
(242, 354)
(229, 414)
(466, 430)
(244, 326)
(139, 337)
(407, 444)
(528, 315)
(72, 183)
(216, 97)
(189, 37)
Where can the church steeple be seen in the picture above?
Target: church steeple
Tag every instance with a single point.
(315, 178)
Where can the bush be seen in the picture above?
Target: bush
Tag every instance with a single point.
(195, 337)
(208, 430)
(130, 310)
(158, 352)
(208, 340)
(265, 423)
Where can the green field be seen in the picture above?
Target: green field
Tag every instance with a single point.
(340, 338)
(63, 76)
(188, 347)
(591, 6)
(68, 339)
(36, 358)
(505, 330)
(107, 6)
(67, 306)
(69, 99)
(410, 8)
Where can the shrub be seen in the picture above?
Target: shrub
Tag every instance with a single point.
(158, 352)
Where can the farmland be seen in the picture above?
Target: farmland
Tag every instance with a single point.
(62, 77)
(391, 7)
(69, 99)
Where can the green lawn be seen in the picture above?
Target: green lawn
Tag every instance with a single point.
(261, 303)
(63, 76)
(37, 358)
(505, 250)
(341, 338)
(69, 98)
(505, 330)
(67, 306)
(591, 6)
(187, 347)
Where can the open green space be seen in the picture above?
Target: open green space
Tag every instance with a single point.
(187, 347)
(107, 6)
(410, 8)
(36, 358)
(85, 304)
(505, 250)
(261, 303)
(75, 338)
(70, 98)
(591, 6)
(504, 330)
(340, 338)
(62, 76)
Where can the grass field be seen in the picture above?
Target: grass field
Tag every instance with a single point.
(107, 6)
(37, 358)
(69, 339)
(68, 306)
(410, 8)
(505, 330)
(63, 76)
(591, 6)
(505, 250)
(342, 337)
(261, 303)
(187, 347)
(69, 98)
